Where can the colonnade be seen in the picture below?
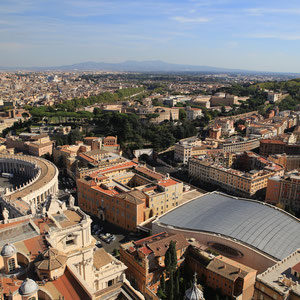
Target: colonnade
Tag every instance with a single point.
(34, 170)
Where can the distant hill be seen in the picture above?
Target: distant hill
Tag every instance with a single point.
(136, 66)
(142, 66)
(131, 66)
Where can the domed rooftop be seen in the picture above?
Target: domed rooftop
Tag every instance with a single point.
(194, 293)
(51, 259)
(8, 250)
(28, 287)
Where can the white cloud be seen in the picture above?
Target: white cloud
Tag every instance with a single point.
(191, 20)
(264, 11)
(232, 44)
(277, 36)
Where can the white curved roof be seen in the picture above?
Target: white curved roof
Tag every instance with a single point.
(8, 250)
(28, 287)
(260, 226)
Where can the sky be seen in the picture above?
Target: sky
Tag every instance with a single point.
(262, 35)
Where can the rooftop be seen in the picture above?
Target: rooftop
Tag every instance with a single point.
(256, 224)
(280, 276)
(228, 268)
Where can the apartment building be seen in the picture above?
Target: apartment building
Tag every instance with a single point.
(145, 259)
(239, 144)
(158, 114)
(108, 143)
(223, 99)
(189, 147)
(277, 146)
(31, 143)
(126, 194)
(218, 170)
(193, 113)
(284, 190)
(281, 281)
(289, 162)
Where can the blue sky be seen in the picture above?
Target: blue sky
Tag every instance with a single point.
(248, 34)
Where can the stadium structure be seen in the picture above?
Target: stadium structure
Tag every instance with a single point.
(250, 232)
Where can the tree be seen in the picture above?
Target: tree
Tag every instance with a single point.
(161, 294)
(171, 258)
(177, 284)
(163, 282)
(182, 114)
(170, 290)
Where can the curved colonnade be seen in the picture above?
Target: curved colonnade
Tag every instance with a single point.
(42, 180)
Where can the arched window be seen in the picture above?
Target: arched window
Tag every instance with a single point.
(11, 264)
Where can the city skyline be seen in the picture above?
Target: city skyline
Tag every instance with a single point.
(223, 33)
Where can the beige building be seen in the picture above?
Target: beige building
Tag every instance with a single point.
(239, 144)
(158, 114)
(126, 194)
(189, 147)
(222, 99)
(281, 281)
(60, 248)
(218, 171)
(31, 143)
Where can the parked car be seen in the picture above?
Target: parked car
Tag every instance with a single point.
(98, 244)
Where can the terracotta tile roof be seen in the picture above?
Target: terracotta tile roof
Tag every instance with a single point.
(228, 268)
(125, 165)
(51, 259)
(167, 182)
(2, 226)
(269, 141)
(136, 197)
(9, 285)
(35, 245)
(101, 258)
(108, 192)
(69, 287)
(160, 247)
(150, 173)
(296, 267)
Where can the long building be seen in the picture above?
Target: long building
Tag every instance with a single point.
(218, 170)
(273, 146)
(239, 145)
(31, 143)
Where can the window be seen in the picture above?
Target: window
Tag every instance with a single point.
(11, 264)
(70, 240)
(110, 283)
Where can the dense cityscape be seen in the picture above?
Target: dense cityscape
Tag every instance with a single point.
(149, 150)
(149, 186)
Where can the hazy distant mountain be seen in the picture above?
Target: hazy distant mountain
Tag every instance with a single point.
(131, 66)
(138, 66)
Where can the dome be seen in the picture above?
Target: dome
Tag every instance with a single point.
(194, 293)
(51, 259)
(28, 287)
(8, 250)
